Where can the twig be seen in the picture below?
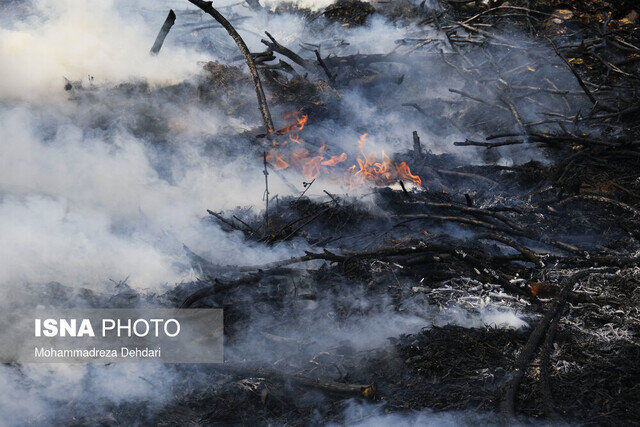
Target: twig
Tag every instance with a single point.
(306, 188)
(335, 200)
(466, 95)
(225, 221)
(576, 75)
(528, 253)
(417, 107)
(249, 228)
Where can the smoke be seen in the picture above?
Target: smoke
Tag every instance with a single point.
(72, 39)
(98, 185)
(313, 5)
(41, 394)
(370, 415)
(81, 208)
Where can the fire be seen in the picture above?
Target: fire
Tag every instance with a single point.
(382, 172)
(369, 167)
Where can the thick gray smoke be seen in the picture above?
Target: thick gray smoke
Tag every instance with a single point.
(99, 186)
(366, 415)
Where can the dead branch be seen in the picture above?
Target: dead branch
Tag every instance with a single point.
(463, 220)
(324, 66)
(207, 7)
(261, 57)
(467, 175)
(487, 145)
(277, 47)
(166, 27)
(507, 405)
(526, 252)
(226, 221)
(601, 199)
(584, 87)
(249, 279)
(266, 192)
(470, 221)
(475, 98)
(473, 211)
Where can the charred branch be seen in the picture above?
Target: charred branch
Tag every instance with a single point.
(207, 7)
(166, 27)
(273, 45)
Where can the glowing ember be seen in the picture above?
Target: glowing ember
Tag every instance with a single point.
(370, 168)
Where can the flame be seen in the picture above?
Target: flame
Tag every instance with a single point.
(383, 172)
(369, 167)
(277, 161)
(334, 160)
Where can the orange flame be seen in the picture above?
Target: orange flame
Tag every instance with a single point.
(312, 164)
(382, 172)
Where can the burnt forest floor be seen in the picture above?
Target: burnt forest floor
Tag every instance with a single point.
(553, 242)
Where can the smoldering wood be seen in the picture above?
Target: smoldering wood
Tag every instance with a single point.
(261, 57)
(417, 147)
